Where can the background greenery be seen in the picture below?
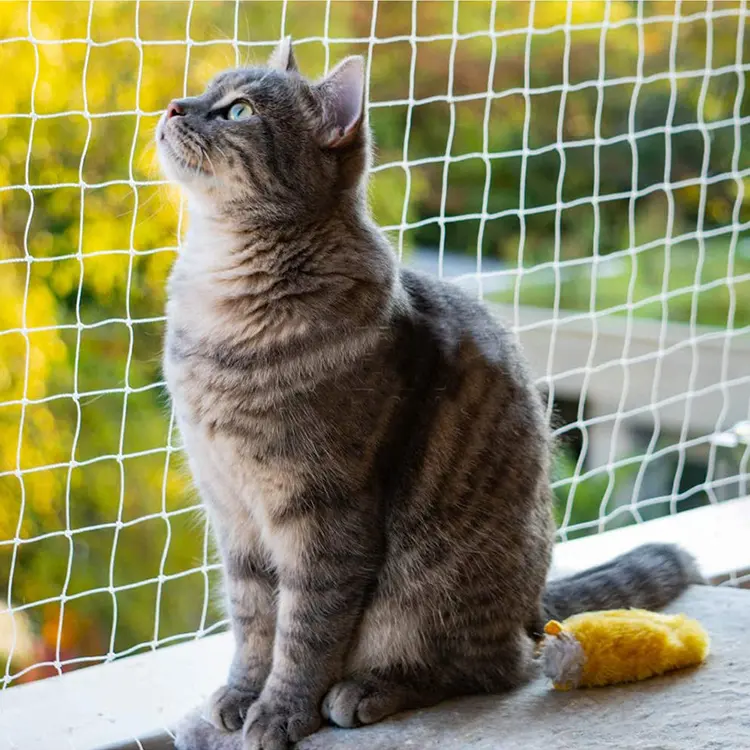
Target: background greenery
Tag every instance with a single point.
(94, 506)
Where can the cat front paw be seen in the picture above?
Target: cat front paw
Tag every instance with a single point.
(273, 723)
(361, 700)
(228, 707)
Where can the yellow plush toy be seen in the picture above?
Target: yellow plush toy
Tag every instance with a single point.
(620, 645)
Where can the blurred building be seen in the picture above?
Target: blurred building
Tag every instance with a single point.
(628, 388)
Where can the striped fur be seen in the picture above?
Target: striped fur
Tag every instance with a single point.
(367, 440)
(649, 577)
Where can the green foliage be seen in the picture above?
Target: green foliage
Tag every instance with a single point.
(93, 504)
(580, 502)
(710, 282)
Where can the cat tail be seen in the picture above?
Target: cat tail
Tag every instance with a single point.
(648, 577)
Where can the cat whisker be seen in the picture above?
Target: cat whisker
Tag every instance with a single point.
(211, 164)
(198, 170)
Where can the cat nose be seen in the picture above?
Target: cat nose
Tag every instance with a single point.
(174, 108)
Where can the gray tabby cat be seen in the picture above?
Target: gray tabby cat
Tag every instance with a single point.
(367, 441)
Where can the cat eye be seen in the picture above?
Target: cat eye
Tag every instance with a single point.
(240, 111)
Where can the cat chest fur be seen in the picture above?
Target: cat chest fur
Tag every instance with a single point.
(240, 448)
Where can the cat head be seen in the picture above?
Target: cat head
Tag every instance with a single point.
(265, 144)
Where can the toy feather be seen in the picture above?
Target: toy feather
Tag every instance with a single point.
(623, 645)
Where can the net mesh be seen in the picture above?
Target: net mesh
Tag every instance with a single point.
(577, 165)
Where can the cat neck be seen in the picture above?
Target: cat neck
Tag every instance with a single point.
(335, 271)
(219, 246)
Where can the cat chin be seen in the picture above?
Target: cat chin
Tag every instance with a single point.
(173, 172)
(175, 166)
(179, 172)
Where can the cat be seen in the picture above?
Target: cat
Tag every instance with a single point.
(367, 441)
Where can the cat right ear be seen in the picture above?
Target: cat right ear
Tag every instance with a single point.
(282, 58)
(342, 94)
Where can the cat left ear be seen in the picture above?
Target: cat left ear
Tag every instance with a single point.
(342, 94)
(282, 58)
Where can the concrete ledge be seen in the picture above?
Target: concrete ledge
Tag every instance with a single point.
(718, 536)
(708, 707)
(113, 705)
(129, 704)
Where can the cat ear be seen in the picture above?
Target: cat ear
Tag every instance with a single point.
(342, 94)
(282, 58)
